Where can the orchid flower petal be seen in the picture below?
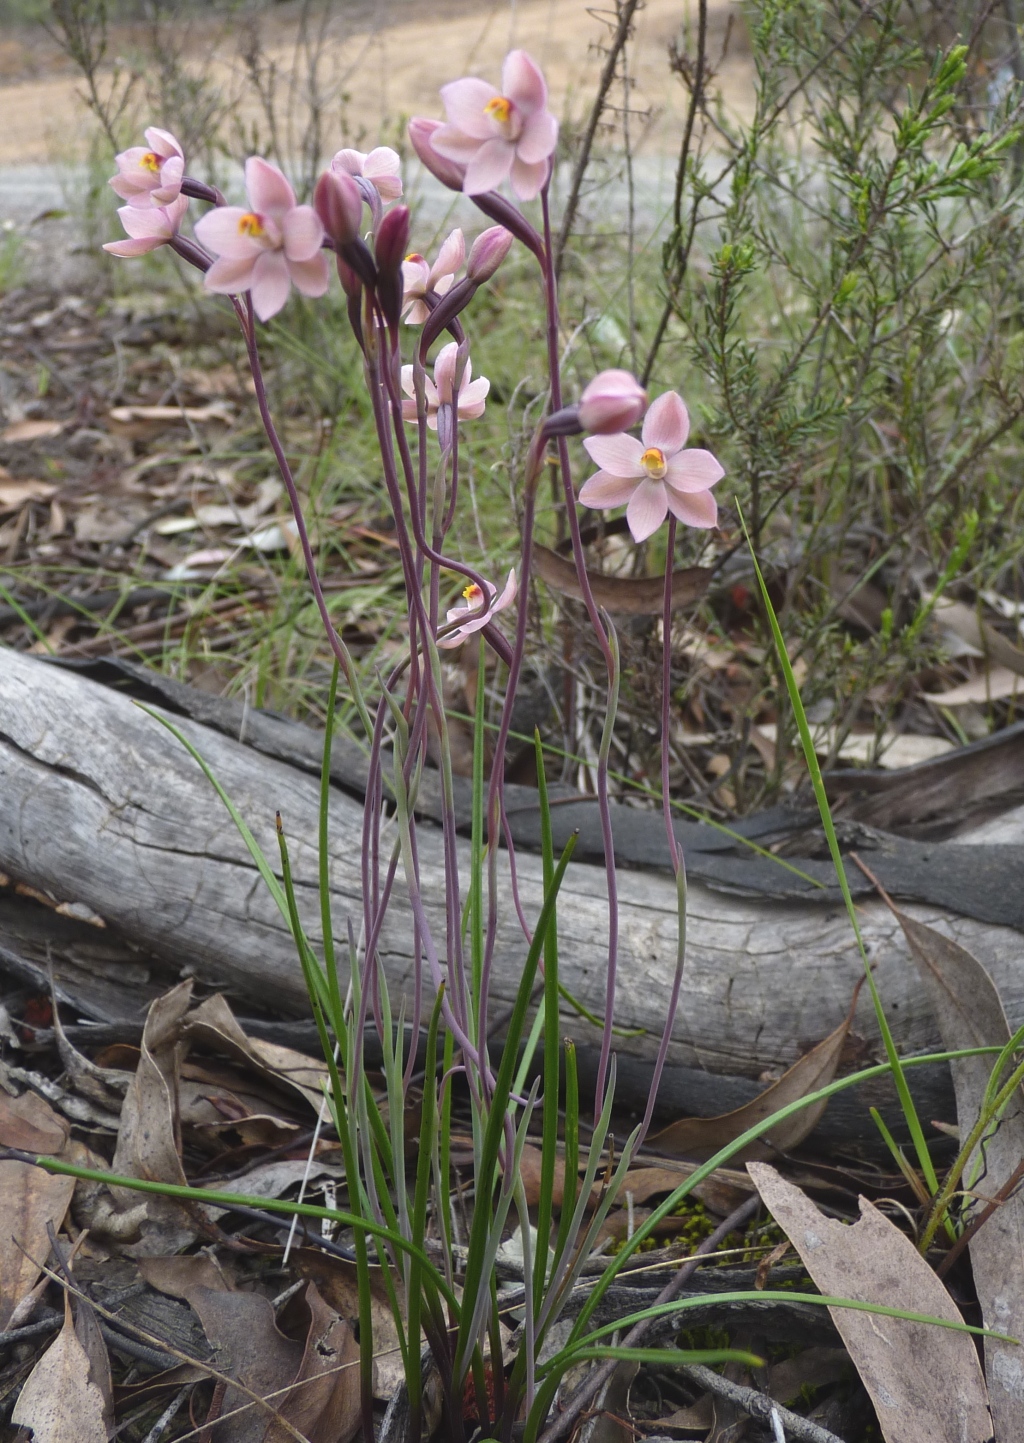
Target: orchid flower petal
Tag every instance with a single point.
(693, 470)
(489, 166)
(618, 454)
(303, 233)
(667, 423)
(268, 189)
(523, 82)
(465, 103)
(647, 509)
(271, 282)
(603, 490)
(698, 509)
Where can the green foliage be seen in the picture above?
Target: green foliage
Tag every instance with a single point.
(855, 334)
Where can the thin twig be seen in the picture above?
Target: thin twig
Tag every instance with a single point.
(599, 1376)
(604, 86)
(758, 1405)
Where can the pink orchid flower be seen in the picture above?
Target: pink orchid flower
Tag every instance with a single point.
(266, 248)
(654, 475)
(497, 136)
(148, 228)
(419, 277)
(472, 394)
(613, 401)
(473, 599)
(150, 174)
(380, 167)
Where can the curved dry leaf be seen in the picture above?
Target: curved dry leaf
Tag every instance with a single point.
(970, 1013)
(925, 1382)
(628, 595)
(701, 1137)
(30, 1124)
(60, 1402)
(30, 1198)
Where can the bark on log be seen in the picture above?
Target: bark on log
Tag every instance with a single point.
(102, 806)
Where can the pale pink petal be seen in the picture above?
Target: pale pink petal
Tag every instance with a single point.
(382, 167)
(489, 167)
(619, 454)
(311, 277)
(528, 180)
(415, 275)
(444, 370)
(351, 161)
(666, 424)
(647, 509)
(176, 210)
(538, 137)
(418, 313)
(220, 230)
(128, 189)
(508, 593)
(465, 102)
(602, 490)
(230, 275)
(131, 159)
(267, 188)
(698, 509)
(444, 284)
(303, 233)
(450, 257)
(430, 391)
(432, 419)
(472, 398)
(171, 173)
(408, 407)
(454, 144)
(693, 470)
(129, 249)
(162, 142)
(408, 385)
(271, 282)
(523, 83)
(145, 224)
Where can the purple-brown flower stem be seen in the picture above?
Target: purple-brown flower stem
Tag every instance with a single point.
(604, 806)
(199, 190)
(191, 252)
(338, 647)
(675, 851)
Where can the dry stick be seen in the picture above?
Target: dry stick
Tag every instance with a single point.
(683, 255)
(596, 1380)
(1003, 1195)
(604, 85)
(758, 1405)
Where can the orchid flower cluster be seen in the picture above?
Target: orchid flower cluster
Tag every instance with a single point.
(400, 304)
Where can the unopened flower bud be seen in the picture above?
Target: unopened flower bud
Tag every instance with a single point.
(489, 250)
(614, 401)
(448, 172)
(390, 245)
(339, 204)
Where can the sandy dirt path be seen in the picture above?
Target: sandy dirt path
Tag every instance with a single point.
(392, 70)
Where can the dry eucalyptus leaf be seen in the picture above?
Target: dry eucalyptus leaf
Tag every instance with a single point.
(701, 1137)
(213, 1024)
(147, 1145)
(16, 493)
(30, 1124)
(626, 595)
(60, 1402)
(30, 1198)
(336, 1281)
(925, 1382)
(993, 684)
(23, 431)
(970, 1014)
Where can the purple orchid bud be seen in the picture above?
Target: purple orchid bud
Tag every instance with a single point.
(339, 205)
(390, 245)
(614, 401)
(489, 250)
(448, 172)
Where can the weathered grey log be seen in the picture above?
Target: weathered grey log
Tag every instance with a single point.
(102, 806)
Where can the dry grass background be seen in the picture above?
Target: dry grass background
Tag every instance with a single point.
(390, 66)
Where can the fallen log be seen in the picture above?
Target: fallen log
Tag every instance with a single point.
(103, 807)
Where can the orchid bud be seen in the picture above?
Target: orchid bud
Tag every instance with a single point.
(489, 250)
(448, 172)
(614, 401)
(390, 245)
(339, 204)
